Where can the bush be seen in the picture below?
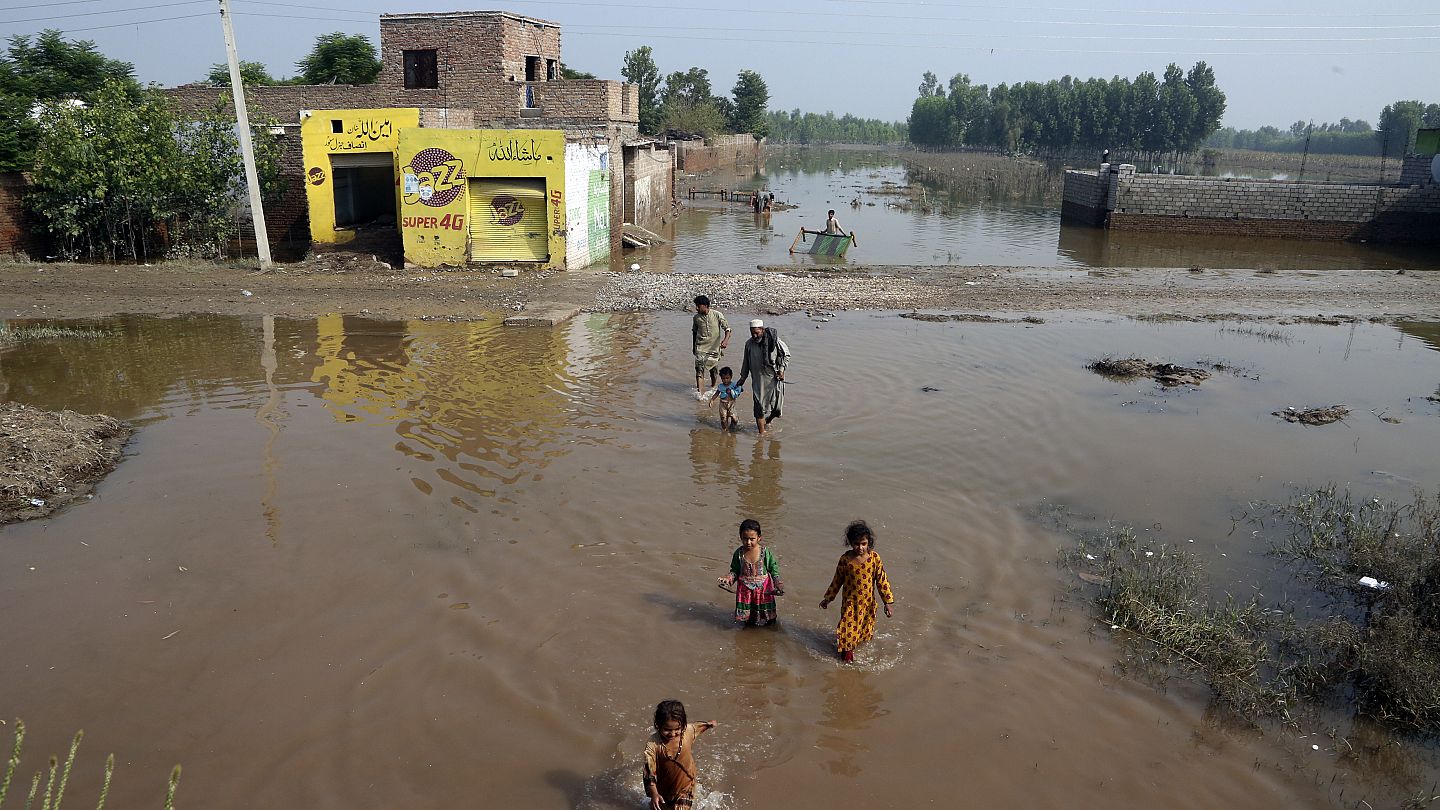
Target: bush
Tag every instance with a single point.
(127, 178)
(1377, 646)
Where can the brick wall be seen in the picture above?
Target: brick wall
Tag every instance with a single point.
(480, 58)
(1415, 170)
(1258, 207)
(1083, 200)
(588, 99)
(648, 181)
(716, 151)
(19, 232)
(283, 103)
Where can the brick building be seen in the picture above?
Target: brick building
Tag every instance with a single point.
(461, 70)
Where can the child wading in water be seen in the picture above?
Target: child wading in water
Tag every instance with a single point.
(861, 574)
(726, 393)
(756, 577)
(669, 761)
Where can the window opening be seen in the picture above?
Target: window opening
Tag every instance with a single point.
(421, 70)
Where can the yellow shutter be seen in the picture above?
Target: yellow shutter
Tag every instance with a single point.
(507, 220)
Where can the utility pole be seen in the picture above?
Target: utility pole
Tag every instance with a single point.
(247, 146)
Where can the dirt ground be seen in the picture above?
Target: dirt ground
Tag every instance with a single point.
(368, 288)
(52, 458)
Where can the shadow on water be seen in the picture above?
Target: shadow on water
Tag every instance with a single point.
(701, 613)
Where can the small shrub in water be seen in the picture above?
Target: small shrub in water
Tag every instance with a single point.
(1158, 593)
(1378, 647)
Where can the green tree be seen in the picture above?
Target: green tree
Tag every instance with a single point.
(340, 58)
(567, 72)
(752, 99)
(693, 85)
(684, 115)
(1209, 101)
(930, 121)
(640, 70)
(47, 68)
(968, 108)
(112, 177)
(687, 103)
(253, 74)
(929, 85)
(1398, 124)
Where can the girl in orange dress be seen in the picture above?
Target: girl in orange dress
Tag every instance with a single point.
(669, 775)
(860, 573)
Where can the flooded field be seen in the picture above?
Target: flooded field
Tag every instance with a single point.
(356, 563)
(1010, 216)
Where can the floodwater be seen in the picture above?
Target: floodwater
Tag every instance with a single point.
(350, 563)
(1013, 221)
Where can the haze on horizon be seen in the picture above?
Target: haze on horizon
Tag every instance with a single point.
(1277, 62)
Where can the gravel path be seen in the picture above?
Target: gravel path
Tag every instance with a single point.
(79, 291)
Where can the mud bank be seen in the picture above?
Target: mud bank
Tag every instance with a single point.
(52, 458)
(77, 291)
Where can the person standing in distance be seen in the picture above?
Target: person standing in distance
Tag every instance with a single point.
(709, 335)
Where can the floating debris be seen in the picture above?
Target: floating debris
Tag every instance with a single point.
(1313, 416)
(1167, 374)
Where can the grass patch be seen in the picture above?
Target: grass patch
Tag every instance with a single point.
(1158, 594)
(12, 335)
(56, 778)
(1269, 335)
(1372, 644)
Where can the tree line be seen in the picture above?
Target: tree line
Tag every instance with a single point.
(686, 102)
(798, 127)
(1394, 137)
(1172, 114)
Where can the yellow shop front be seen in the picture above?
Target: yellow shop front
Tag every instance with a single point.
(482, 196)
(350, 168)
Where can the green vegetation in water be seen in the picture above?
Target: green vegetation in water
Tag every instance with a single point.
(10, 335)
(1375, 645)
(54, 792)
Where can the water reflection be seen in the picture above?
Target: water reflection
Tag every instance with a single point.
(137, 365)
(991, 216)
(1098, 247)
(852, 703)
(713, 460)
(1428, 333)
(478, 407)
(761, 494)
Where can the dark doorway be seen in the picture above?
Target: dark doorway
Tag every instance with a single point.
(532, 69)
(364, 189)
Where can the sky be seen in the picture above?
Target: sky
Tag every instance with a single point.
(1277, 62)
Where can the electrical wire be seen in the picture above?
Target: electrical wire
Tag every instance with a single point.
(628, 33)
(1002, 49)
(585, 27)
(98, 13)
(136, 22)
(1304, 14)
(789, 12)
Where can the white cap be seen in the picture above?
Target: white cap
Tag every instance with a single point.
(756, 322)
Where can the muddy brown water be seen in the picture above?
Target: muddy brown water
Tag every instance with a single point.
(898, 218)
(351, 563)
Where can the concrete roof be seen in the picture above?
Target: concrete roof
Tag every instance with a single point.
(434, 15)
